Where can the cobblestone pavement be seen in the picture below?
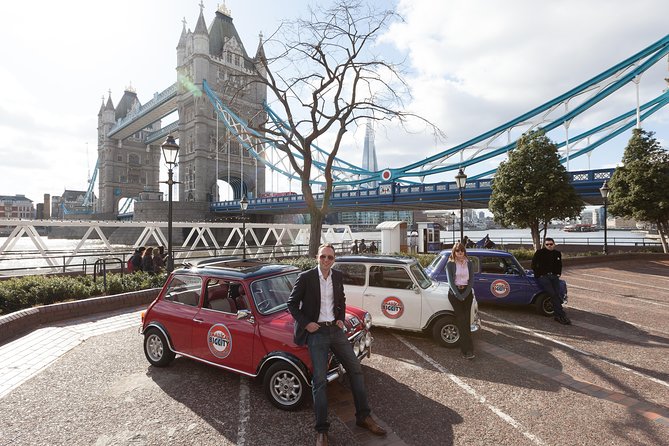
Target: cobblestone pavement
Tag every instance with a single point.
(602, 380)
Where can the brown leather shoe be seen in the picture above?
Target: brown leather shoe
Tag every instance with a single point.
(371, 425)
(322, 439)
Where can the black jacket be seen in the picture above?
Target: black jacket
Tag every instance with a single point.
(305, 301)
(546, 261)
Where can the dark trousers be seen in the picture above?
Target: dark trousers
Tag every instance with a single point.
(463, 320)
(320, 343)
(551, 285)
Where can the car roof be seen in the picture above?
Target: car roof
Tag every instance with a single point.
(480, 252)
(393, 260)
(234, 267)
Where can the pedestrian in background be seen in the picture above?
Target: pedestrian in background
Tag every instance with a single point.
(460, 274)
(362, 247)
(547, 267)
(159, 260)
(147, 260)
(136, 259)
(354, 248)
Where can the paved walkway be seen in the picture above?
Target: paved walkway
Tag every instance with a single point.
(27, 356)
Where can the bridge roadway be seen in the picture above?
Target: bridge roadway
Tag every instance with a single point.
(603, 380)
(394, 197)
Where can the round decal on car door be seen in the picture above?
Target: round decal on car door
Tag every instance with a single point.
(219, 341)
(392, 307)
(500, 288)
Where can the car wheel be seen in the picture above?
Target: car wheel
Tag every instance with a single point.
(544, 305)
(284, 386)
(156, 349)
(446, 332)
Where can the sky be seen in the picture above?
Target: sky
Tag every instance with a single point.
(471, 65)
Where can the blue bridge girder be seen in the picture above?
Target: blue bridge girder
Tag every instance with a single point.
(395, 197)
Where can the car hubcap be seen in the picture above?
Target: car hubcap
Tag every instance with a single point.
(548, 306)
(154, 347)
(450, 334)
(286, 387)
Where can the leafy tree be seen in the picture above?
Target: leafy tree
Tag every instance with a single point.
(324, 77)
(532, 188)
(640, 188)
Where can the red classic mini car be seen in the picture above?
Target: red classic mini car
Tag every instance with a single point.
(231, 313)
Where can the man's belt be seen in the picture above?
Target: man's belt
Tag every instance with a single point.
(327, 323)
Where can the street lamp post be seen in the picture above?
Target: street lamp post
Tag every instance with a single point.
(243, 205)
(604, 190)
(453, 226)
(170, 153)
(461, 181)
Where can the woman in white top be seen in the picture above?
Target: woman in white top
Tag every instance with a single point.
(460, 273)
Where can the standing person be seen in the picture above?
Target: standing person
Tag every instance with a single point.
(362, 247)
(372, 247)
(159, 260)
(147, 260)
(460, 274)
(547, 267)
(136, 259)
(354, 248)
(318, 305)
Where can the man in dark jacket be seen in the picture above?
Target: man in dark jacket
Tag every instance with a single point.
(318, 305)
(547, 266)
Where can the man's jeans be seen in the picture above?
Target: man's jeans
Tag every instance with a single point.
(551, 285)
(320, 343)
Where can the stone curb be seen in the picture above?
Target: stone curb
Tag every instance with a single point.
(19, 322)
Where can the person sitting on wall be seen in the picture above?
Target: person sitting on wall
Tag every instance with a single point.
(354, 248)
(372, 248)
(362, 247)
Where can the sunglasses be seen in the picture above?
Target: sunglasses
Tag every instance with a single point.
(323, 257)
(549, 244)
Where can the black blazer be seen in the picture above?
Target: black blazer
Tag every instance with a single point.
(305, 301)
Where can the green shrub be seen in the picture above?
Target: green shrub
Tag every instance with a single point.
(303, 263)
(25, 292)
(522, 254)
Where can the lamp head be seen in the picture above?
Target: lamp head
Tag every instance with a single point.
(461, 179)
(604, 190)
(170, 150)
(244, 203)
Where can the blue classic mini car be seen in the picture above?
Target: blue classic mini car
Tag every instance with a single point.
(500, 279)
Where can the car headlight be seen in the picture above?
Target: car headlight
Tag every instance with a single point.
(356, 348)
(368, 321)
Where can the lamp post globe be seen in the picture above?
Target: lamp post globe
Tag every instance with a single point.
(604, 190)
(243, 205)
(461, 181)
(170, 151)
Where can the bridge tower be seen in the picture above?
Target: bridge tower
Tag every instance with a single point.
(126, 166)
(208, 152)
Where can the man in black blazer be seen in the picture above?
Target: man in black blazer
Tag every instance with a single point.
(318, 305)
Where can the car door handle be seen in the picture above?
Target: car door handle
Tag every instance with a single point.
(367, 294)
(198, 320)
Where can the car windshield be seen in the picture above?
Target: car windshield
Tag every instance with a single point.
(271, 294)
(420, 276)
(435, 262)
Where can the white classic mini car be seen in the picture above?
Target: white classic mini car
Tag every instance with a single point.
(398, 294)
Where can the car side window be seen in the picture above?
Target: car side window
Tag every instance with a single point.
(185, 290)
(219, 296)
(390, 277)
(497, 265)
(353, 273)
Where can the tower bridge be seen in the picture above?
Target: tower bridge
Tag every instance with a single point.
(217, 142)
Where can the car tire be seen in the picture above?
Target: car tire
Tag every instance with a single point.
(156, 348)
(445, 332)
(284, 386)
(544, 305)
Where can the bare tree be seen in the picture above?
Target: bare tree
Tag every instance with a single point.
(324, 77)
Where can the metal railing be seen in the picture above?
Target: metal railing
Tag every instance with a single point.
(580, 241)
(79, 263)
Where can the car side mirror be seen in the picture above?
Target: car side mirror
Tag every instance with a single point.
(245, 314)
(416, 289)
